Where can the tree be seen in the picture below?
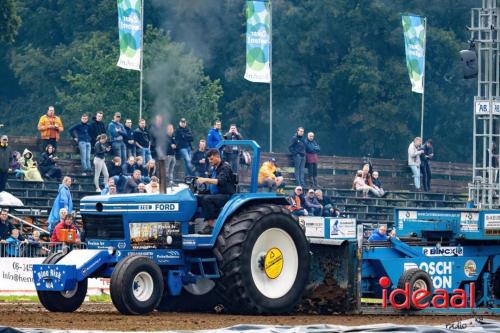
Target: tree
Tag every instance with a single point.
(9, 22)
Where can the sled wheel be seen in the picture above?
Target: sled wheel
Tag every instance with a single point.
(195, 297)
(263, 256)
(62, 301)
(136, 285)
(418, 280)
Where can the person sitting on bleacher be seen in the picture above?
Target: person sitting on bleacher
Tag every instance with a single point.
(313, 206)
(63, 229)
(14, 245)
(129, 167)
(62, 200)
(28, 166)
(377, 184)
(270, 177)
(328, 209)
(297, 203)
(105, 190)
(116, 173)
(131, 186)
(15, 165)
(154, 185)
(47, 165)
(139, 165)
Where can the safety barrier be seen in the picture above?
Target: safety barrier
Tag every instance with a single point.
(34, 249)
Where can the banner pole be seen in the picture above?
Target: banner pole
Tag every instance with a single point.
(271, 78)
(423, 83)
(142, 56)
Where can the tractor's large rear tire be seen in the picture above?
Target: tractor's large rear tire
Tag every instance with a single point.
(57, 301)
(199, 297)
(418, 279)
(263, 256)
(136, 285)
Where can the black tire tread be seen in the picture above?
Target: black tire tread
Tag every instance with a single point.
(408, 275)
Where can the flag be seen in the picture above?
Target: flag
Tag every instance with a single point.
(130, 31)
(258, 41)
(414, 33)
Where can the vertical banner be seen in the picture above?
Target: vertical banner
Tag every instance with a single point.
(130, 31)
(414, 33)
(258, 42)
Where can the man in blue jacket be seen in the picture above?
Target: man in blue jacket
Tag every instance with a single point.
(62, 200)
(214, 136)
(380, 235)
(81, 134)
(117, 135)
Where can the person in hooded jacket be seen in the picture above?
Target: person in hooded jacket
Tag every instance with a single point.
(62, 200)
(47, 166)
(312, 150)
(29, 167)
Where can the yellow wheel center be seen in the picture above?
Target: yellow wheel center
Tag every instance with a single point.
(273, 263)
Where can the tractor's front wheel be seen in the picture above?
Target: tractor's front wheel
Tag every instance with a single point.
(62, 301)
(136, 285)
(264, 258)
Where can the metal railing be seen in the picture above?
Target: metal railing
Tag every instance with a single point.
(34, 249)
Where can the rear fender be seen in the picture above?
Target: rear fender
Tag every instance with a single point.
(74, 267)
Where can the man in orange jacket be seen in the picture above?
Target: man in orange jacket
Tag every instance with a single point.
(269, 176)
(50, 127)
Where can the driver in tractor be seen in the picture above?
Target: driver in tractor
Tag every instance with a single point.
(221, 185)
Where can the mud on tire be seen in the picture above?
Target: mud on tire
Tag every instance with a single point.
(242, 247)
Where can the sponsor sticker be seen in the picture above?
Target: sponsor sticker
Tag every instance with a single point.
(469, 221)
(492, 221)
(470, 268)
(443, 251)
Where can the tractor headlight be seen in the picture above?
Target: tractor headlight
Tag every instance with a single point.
(111, 250)
(170, 240)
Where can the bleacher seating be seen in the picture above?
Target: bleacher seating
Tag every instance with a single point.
(449, 184)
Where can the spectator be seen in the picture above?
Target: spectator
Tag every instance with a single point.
(380, 235)
(66, 224)
(377, 184)
(269, 176)
(36, 247)
(312, 150)
(29, 168)
(214, 136)
(116, 172)
(81, 134)
(47, 165)
(129, 138)
(157, 137)
(141, 188)
(112, 190)
(221, 185)
(96, 128)
(297, 203)
(6, 226)
(14, 163)
(116, 135)
(313, 206)
(129, 167)
(62, 200)
(183, 139)
(109, 184)
(328, 209)
(50, 127)
(133, 182)
(231, 153)
(101, 148)
(171, 149)
(153, 186)
(298, 150)
(143, 141)
(139, 165)
(414, 152)
(425, 166)
(5, 159)
(200, 161)
(359, 184)
(150, 168)
(14, 247)
(367, 177)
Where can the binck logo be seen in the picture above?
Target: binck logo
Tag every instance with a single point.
(420, 299)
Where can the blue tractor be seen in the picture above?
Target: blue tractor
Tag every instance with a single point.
(256, 261)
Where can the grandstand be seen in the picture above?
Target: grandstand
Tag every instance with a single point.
(335, 175)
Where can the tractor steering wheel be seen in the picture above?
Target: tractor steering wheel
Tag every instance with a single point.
(194, 186)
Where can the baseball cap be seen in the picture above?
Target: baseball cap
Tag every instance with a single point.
(5, 137)
(310, 191)
(272, 159)
(299, 188)
(183, 120)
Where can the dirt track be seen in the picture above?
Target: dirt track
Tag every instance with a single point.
(99, 316)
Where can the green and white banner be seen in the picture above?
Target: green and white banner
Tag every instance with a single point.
(258, 41)
(414, 31)
(130, 30)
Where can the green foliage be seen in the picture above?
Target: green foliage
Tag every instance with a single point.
(9, 20)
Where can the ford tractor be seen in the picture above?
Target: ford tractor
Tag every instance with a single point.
(256, 261)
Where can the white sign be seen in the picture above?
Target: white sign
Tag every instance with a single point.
(405, 215)
(315, 226)
(492, 221)
(16, 278)
(342, 228)
(469, 221)
(496, 107)
(482, 107)
(443, 251)
(160, 207)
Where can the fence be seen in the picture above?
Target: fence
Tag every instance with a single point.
(33, 249)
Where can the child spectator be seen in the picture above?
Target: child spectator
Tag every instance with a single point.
(297, 202)
(313, 206)
(312, 150)
(269, 175)
(377, 184)
(36, 248)
(101, 148)
(47, 165)
(29, 168)
(153, 186)
(67, 224)
(14, 244)
(81, 134)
